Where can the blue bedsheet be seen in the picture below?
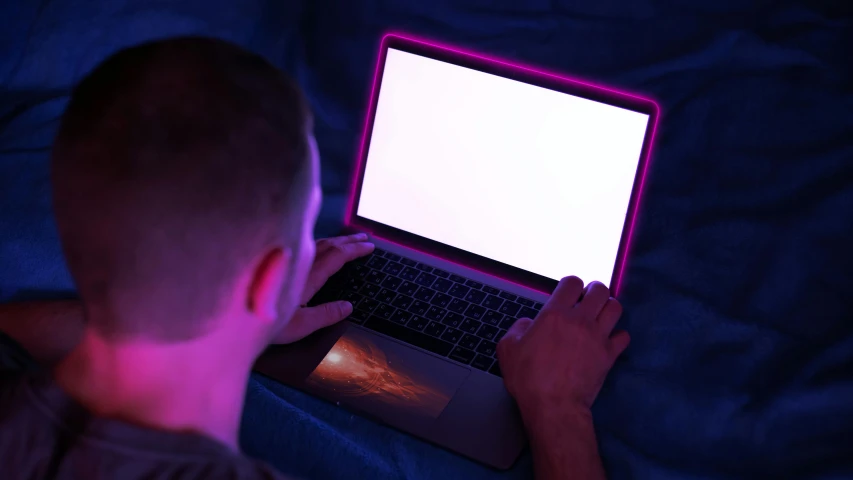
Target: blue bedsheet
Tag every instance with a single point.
(739, 293)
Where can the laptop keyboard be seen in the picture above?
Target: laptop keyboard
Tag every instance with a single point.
(449, 315)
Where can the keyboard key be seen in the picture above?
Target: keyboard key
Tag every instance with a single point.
(385, 295)
(473, 284)
(507, 296)
(425, 279)
(451, 335)
(358, 271)
(376, 262)
(411, 337)
(509, 308)
(378, 252)
(453, 320)
(491, 290)
(440, 273)
(353, 298)
(418, 307)
(435, 313)
(370, 290)
(499, 336)
(507, 322)
(488, 332)
(409, 274)
(492, 302)
(417, 323)
(495, 370)
(384, 311)
(457, 305)
(401, 316)
(486, 348)
(435, 329)
(458, 291)
(457, 278)
(358, 316)
(442, 285)
(424, 294)
(527, 312)
(408, 288)
(492, 318)
(469, 326)
(441, 300)
(462, 355)
(482, 362)
(538, 306)
(368, 304)
(375, 276)
(475, 296)
(424, 268)
(392, 256)
(402, 301)
(392, 283)
(352, 284)
(525, 302)
(475, 311)
(393, 268)
(408, 262)
(469, 341)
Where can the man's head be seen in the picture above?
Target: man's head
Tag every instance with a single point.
(186, 189)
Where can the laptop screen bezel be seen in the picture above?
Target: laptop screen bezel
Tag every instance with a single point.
(515, 72)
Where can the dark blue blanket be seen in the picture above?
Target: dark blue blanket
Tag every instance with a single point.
(738, 292)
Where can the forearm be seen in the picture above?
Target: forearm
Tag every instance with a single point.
(48, 330)
(564, 446)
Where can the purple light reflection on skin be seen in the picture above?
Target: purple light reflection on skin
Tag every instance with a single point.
(636, 196)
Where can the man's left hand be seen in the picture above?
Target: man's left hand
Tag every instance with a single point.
(332, 254)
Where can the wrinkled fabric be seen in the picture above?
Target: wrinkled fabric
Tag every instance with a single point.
(737, 293)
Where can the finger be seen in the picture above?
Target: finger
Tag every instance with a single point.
(594, 297)
(324, 244)
(314, 318)
(609, 315)
(565, 296)
(333, 260)
(618, 343)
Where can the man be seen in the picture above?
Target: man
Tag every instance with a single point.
(185, 181)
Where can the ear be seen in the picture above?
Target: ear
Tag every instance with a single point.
(267, 282)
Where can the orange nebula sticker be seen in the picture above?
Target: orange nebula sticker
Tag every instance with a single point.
(359, 372)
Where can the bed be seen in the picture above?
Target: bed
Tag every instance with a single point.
(739, 288)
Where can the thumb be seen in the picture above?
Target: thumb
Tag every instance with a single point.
(323, 315)
(618, 343)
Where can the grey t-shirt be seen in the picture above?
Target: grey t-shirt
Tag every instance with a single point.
(44, 434)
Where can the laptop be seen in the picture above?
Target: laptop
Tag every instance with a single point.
(482, 183)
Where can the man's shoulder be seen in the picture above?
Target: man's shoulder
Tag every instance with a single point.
(61, 435)
(13, 357)
(250, 469)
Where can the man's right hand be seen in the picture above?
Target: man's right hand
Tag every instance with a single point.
(554, 367)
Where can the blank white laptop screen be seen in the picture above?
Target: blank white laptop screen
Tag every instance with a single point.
(534, 178)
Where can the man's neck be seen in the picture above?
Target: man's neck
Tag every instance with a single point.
(164, 387)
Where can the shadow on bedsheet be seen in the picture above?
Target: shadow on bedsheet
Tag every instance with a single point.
(738, 290)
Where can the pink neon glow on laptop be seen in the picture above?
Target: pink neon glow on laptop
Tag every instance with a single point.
(530, 177)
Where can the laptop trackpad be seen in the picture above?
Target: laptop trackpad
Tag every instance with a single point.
(385, 379)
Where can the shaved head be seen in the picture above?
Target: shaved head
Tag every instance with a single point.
(177, 165)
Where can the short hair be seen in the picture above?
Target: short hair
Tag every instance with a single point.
(176, 163)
